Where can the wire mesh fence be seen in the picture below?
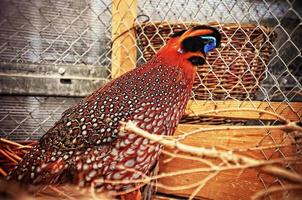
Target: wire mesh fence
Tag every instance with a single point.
(260, 54)
(56, 32)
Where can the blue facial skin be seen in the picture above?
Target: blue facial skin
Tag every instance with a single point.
(210, 45)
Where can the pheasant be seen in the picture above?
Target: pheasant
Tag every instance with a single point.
(86, 146)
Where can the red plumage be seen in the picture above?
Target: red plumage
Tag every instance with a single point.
(86, 144)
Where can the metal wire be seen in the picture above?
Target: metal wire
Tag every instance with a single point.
(67, 32)
(55, 32)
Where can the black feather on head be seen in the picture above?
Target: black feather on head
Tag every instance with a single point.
(197, 43)
(215, 32)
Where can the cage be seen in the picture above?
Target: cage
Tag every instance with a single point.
(246, 100)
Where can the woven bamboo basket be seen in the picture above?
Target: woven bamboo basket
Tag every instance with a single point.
(233, 71)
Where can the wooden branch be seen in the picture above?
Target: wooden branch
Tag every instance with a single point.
(5, 141)
(236, 138)
(203, 183)
(124, 42)
(263, 193)
(280, 172)
(244, 109)
(199, 151)
(227, 156)
(236, 175)
(3, 172)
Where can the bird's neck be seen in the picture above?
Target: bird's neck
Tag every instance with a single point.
(177, 61)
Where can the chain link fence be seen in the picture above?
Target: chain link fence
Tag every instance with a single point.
(58, 36)
(56, 32)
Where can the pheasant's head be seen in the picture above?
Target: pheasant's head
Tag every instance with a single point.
(188, 48)
(193, 44)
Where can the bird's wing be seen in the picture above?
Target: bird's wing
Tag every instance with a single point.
(46, 166)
